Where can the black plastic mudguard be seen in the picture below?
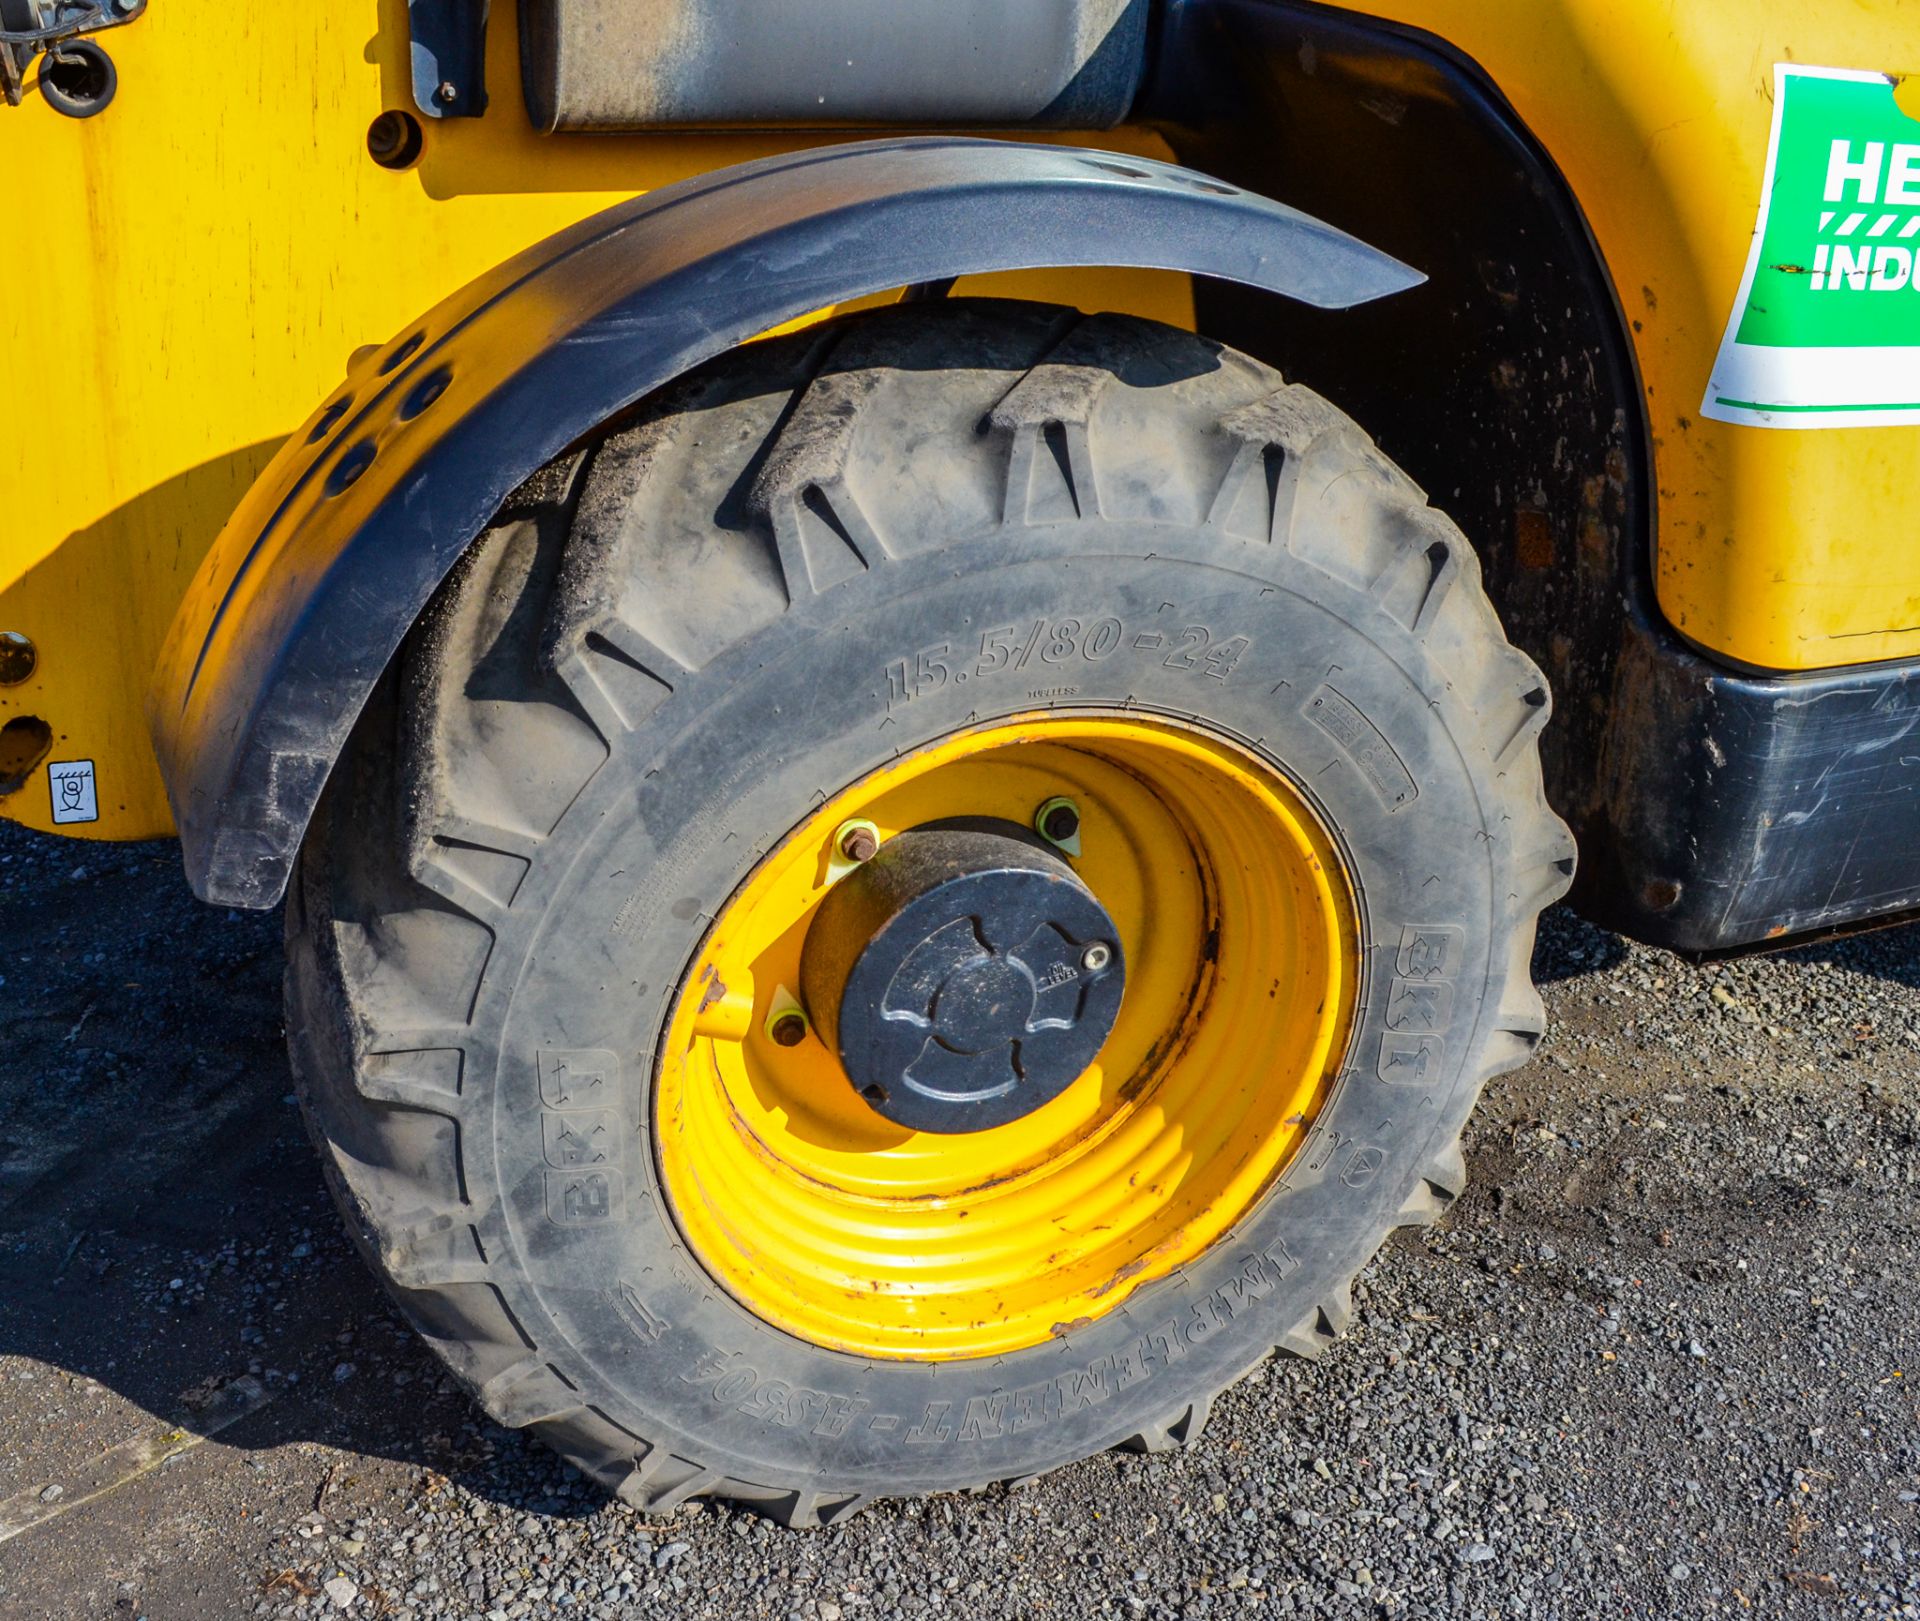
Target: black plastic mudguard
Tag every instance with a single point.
(332, 555)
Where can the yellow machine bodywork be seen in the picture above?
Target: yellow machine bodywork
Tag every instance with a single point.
(1778, 550)
(189, 272)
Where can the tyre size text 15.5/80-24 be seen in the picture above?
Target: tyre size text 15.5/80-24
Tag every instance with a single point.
(1057, 642)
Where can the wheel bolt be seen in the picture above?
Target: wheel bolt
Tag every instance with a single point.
(1096, 957)
(789, 1030)
(1058, 821)
(855, 842)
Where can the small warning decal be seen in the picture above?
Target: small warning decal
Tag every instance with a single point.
(74, 799)
(1825, 330)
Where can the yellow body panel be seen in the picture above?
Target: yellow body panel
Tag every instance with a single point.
(188, 273)
(1780, 549)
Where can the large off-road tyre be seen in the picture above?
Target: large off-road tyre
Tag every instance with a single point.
(943, 560)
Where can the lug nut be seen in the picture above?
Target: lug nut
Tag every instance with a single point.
(855, 842)
(1096, 957)
(789, 1030)
(1058, 821)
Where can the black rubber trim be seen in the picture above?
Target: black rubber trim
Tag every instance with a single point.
(1752, 809)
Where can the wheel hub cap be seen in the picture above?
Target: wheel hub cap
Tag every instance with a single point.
(966, 976)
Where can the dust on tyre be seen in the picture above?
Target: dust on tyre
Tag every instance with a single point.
(921, 575)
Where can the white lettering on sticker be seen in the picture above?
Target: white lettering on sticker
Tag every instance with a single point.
(1903, 175)
(1842, 167)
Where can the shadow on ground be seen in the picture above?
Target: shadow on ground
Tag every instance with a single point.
(164, 1229)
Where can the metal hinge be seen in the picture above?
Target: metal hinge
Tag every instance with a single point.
(28, 28)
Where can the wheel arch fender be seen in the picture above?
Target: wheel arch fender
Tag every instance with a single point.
(332, 555)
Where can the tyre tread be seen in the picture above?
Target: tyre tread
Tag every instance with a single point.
(1273, 448)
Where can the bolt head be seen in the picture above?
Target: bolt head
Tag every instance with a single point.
(860, 844)
(1061, 823)
(1096, 957)
(448, 91)
(789, 1030)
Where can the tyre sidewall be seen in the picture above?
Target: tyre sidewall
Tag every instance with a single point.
(587, 960)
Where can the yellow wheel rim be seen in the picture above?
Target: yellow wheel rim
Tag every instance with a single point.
(828, 1221)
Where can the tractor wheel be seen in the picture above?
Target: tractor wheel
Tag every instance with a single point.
(919, 906)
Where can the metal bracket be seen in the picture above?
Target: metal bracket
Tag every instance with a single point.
(448, 48)
(28, 27)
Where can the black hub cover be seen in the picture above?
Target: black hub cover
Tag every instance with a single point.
(965, 976)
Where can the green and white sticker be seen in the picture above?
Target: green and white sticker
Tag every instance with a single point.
(1826, 330)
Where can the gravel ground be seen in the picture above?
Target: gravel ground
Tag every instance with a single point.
(1661, 1361)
